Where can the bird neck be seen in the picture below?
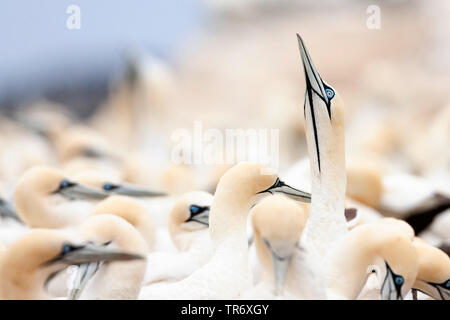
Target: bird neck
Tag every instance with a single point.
(326, 149)
(20, 283)
(347, 268)
(227, 220)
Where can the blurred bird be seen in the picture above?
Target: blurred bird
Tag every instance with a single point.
(227, 273)
(278, 223)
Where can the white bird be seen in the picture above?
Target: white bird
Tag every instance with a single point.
(104, 280)
(383, 248)
(227, 273)
(433, 277)
(188, 227)
(345, 255)
(278, 223)
(131, 211)
(324, 124)
(46, 197)
(28, 264)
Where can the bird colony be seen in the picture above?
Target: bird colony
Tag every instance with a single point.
(85, 214)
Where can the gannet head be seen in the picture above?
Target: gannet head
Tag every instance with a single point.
(81, 141)
(122, 278)
(189, 215)
(131, 211)
(397, 261)
(324, 116)
(32, 261)
(385, 249)
(112, 185)
(238, 190)
(401, 225)
(433, 277)
(41, 188)
(278, 223)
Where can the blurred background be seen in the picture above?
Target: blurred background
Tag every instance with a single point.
(135, 71)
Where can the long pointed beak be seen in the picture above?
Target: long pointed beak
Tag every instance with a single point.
(7, 211)
(93, 253)
(79, 191)
(202, 217)
(280, 268)
(281, 187)
(312, 77)
(136, 191)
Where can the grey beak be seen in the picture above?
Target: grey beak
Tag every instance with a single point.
(312, 77)
(202, 217)
(7, 211)
(281, 187)
(93, 253)
(79, 191)
(280, 268)
(134, 191)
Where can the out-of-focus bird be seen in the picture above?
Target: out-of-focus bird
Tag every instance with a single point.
(34, 259)
(188, 227)
(383, 248)
(278, 223)
(101, 279)
(227, 273)
(45, 197)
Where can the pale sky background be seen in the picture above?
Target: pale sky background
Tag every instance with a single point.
(39, 53)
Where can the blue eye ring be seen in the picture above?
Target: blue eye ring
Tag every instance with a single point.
(107, 187)
(64, 184)
(329, 93)
(66, 248)
(194, 209)
(399, 280)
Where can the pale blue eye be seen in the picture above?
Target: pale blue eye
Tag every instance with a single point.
(107, 187)
(399, 280)
(330, 93)
(66, 248)
(447, 284)
(194, 209)
(64, 184)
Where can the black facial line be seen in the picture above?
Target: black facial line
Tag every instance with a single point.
(439, 287)
(202, 209)
(277, 183)
(267, 243)
(397, 287)
(112, 185)
(316, 138)
(317, 80)
(60, 187)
